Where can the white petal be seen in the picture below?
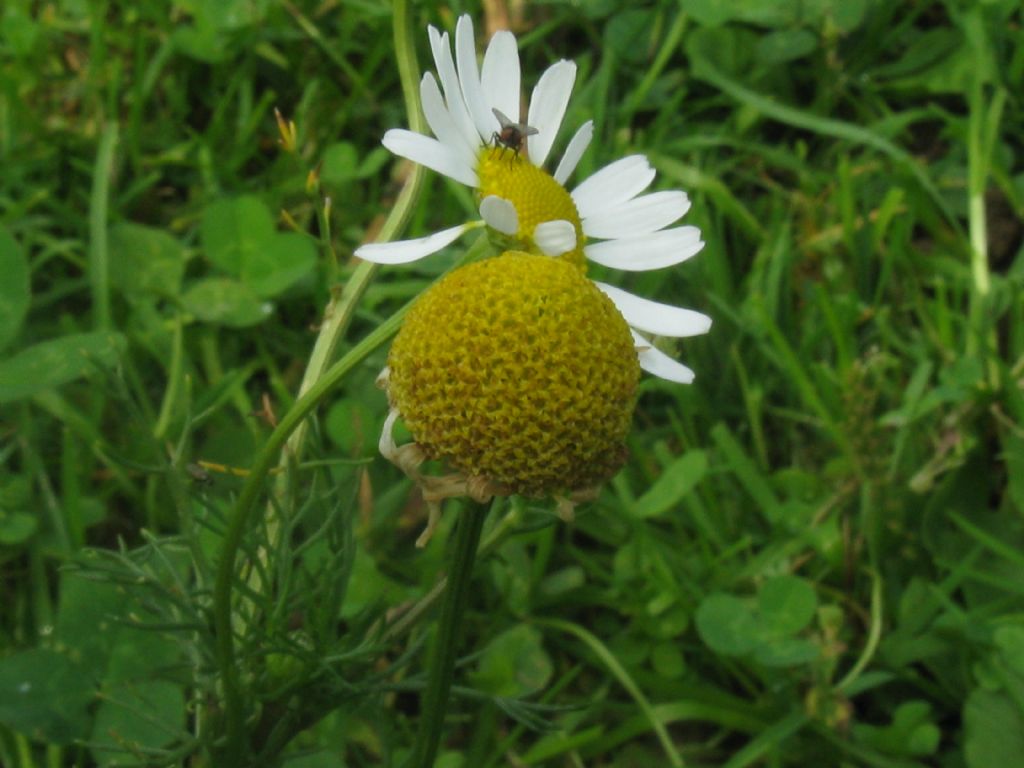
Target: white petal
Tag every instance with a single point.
(655, 317)
(547, 108)
(613, 185)
(499, 214)
(499, 77)
(406, 251)
(640, 216)
(661, 365)
(654, 251)
(450, 83)
(431, 153)
(441, 122)
(577, 146)
(555, 237)
(386, 445)
(469, 79)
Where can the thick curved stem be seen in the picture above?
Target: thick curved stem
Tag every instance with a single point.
(319, 379)
(434, 702)
(238, 522)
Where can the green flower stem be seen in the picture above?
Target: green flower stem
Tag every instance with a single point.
(317, 381)
(409, 618)
(242, 512)
(434, 702)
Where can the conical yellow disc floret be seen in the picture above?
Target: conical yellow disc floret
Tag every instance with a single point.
(519, 371)
(535, 194)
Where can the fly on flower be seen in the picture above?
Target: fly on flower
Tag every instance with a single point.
(512, 135)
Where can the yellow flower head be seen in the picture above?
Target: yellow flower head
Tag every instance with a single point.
(520, 373)
(534, 195)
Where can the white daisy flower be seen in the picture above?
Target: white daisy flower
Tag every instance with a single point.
(607, 218)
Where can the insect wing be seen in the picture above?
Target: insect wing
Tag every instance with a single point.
(503, 119)
(510, 127)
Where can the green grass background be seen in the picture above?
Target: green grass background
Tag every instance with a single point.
(814, 556)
